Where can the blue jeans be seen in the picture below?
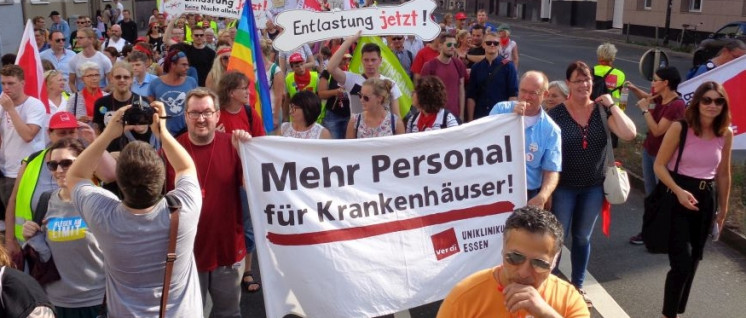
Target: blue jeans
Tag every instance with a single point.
(648, 175)
(336, 124)
(578, 209)
(248, 227)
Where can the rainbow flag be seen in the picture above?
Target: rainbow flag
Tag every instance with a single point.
(246, 57)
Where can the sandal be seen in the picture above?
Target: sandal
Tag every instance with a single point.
(585, 298)
(246, 284)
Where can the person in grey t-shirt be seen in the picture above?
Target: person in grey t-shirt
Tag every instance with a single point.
(133, 233)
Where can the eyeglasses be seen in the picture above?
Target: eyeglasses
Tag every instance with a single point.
(516, 259)
(450, 44)
(198, 35)
(59, 40)
(581, 81)
(720, 101)
(65, 164)
(491, 43)
(397, 38)
(92, 75)
(530, 93)
(80, 22)
(205, 114)
(122, 77)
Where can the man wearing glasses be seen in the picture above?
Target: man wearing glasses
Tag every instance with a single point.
(219, 247)
(490, 81)
(199, 55)
(396, 43)
(523, 285)
(59, 55)
(83, 22)
(59, 24)
(452, 72)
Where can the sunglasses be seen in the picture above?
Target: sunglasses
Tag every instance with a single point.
(65, 163)
(516, 259)
(365, 97)
(122, 77)
(198, 35)
(450, 44)
(491, 43)
(720, 101)
(60, 40)
(398, 38)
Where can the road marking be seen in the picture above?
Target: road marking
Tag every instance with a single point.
(626, 60)
(536, 58)
(602, 301)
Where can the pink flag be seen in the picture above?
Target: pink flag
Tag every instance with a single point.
(311, 5)
(28, 59)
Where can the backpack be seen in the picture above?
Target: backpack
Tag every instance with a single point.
(443, 125)
(599, 85)
(249, 114)
(272, 72)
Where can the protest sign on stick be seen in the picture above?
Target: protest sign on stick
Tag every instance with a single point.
(369, 227)
(218, 8)
(304, 26)
(732, 76)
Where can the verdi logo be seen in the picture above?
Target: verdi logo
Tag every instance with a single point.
(445, 244)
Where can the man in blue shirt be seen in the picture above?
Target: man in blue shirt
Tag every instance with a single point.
(542, 137)
(59, 55)
(490, 81)
(59, 24)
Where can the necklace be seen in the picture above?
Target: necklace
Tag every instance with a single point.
(583, 128)
(209, 165)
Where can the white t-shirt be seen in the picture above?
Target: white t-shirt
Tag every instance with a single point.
(353, 84)
(13, 148)
(104, 64)
(135, 246)
(119, 45)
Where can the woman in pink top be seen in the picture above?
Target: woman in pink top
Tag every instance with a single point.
(704, 166)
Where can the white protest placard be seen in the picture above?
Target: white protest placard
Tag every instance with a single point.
(218, 8)
(368, 227)
(261, 10)
(303, 26)
(732, 76)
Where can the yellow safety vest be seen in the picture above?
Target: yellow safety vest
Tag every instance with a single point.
(292, 87)
(25, 193)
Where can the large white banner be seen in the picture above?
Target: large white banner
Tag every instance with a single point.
(733, 77)
(368, 227)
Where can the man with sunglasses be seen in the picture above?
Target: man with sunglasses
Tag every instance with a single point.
(59, 55)
(490, 81)
(523, 285)
(427, 54)
(198, 54)
(35, 179)
(396, 43)
(452, 72)
(83, 22)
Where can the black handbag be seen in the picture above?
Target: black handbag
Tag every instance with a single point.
(656, 221)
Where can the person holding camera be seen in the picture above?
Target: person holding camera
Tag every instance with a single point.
(133, 233)
(219, 248)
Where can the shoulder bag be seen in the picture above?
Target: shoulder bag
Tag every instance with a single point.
(174, 206)
(616, 181)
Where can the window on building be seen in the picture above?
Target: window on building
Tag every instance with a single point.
(648, 4)
(2, 2)
(695, 5)
(39, 1)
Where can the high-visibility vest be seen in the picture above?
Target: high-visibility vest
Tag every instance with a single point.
(292, 87)
(25, 193)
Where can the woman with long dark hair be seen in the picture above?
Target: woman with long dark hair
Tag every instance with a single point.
(704, 166)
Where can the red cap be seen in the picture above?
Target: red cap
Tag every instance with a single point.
(296, 58)
(460, 16)
(63, 120)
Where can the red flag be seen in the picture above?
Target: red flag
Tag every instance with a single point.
(312, 5)
(28, 59)
(606, 218)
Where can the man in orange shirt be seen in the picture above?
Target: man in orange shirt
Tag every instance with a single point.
(523, 286)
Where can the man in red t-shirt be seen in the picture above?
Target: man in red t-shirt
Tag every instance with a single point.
(219, 248)
(428, 53)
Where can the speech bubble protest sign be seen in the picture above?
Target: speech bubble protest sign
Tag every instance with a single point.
(217, 8)
(303, 26)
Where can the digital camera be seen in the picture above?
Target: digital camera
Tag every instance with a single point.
(139, 114)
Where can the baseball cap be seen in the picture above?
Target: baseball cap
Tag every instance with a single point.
(460, 16)
(296, 58)
(54, 13)
(63, 120)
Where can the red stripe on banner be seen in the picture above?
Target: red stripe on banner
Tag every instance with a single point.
(389, 227)
(737, 97)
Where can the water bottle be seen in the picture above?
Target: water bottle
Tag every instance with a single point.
(624, 97)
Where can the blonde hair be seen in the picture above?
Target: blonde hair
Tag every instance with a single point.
(606, 52)
(381, 88)
(217, 69)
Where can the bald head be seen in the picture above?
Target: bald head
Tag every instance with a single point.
(115, 31)
(532, 90)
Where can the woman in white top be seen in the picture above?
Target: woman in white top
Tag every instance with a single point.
(508, 49)
(55, 90)
(305, 108)
(275, 79)
(375, 120)
(430, 98)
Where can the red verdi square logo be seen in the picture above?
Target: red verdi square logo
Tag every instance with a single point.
(445, 244)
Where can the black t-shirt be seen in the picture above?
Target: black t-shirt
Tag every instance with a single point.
(474, 51)
(20, 294)
(332, 104)
(202, 60)
(106, 106)
(129, 30)
(156, 43)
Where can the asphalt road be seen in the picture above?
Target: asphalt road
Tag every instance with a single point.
(629, 280)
